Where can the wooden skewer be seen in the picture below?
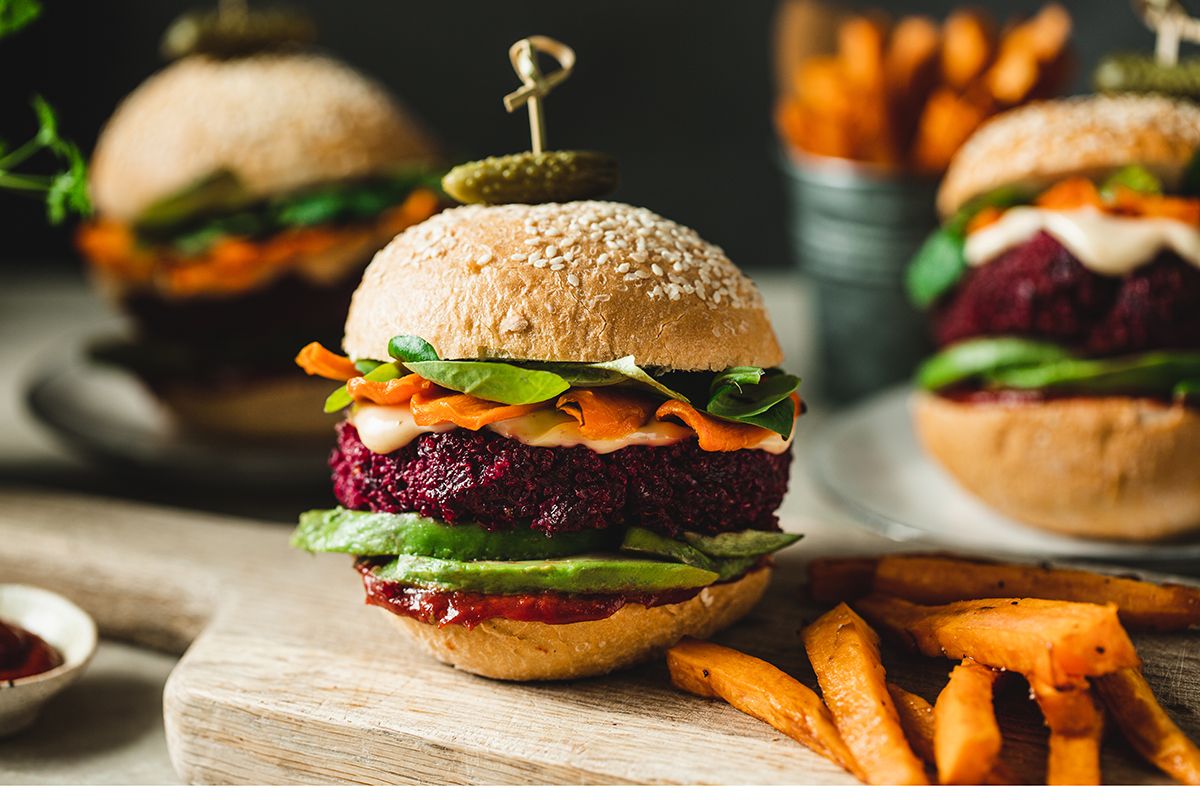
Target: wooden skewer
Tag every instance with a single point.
(1171, 23)
(523, 55)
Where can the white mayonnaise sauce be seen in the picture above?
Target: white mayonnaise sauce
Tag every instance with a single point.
(1104, 243)
(385, 429)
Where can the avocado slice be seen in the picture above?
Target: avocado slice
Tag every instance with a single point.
(588, 574)
(366, 533)
(739, 544)
(640, 540)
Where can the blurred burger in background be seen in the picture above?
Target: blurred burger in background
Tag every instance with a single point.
(1064, 291)
(239, 194)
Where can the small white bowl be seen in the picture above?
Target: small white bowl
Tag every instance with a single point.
(61, 624)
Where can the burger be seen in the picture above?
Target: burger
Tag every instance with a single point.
(566, 438)
(1064, 293)
(238, 200)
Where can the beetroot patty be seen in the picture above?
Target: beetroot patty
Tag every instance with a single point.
(1039, 289)
(480, 476)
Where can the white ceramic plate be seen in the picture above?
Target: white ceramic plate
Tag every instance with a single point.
(868, 462)
(107, 415)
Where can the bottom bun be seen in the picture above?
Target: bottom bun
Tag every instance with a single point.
(1098, 467)
(266, 409)
(537, 651)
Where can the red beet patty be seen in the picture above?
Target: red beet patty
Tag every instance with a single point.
(479, 476)
(1039, 289)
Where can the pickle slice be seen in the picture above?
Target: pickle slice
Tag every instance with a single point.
(1133, 72)
(229, 35)
(552, 177)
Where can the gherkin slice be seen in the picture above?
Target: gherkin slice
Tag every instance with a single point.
(229, 35)
(552, 177)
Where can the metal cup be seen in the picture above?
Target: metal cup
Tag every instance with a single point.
(853, 230)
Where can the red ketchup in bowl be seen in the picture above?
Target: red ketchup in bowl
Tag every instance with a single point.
(23, 653)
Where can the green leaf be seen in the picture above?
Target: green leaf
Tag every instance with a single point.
(1190, 182)
(755, 396)
(492, 380)
(16, 14)
(365, 365)
(1187, 391)
(411, 348)
(212, 196)
(736, 544)
(68, 192)
(645, 542)
(1000, 197)
(936, 268)
(610, 373)
(977, 358)
(1134, 177)
(939, 264)
(1155, 373)
(341, 396)
(780, 418)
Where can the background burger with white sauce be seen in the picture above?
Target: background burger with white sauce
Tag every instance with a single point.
(1064, 293)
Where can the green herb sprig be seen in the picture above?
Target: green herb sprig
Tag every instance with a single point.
(65, 190)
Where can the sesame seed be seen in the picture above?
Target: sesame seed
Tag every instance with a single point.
(551, 251)
(541, 262)
(623, 267)
(656, 269)
(573, 279)
(557, 267)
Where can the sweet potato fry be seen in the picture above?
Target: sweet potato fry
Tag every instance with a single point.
(916, 718)
(968, 41)
(1052, 641)
(1076, 725)
(860, 50)
(1131, 704)
(935, 579)
(911, 69)
(1025, 51)
(966, 736)
(946, 121)
(844, 652)
(835, 580)
(754, 687)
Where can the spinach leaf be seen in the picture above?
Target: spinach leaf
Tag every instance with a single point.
(1134, 177)
(492, 380)
(755, 396)
(939, 264)
(936, 268)
(411, 348)
(978, 357)
(610, 373)
(341, 396)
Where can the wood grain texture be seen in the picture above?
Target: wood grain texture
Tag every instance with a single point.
(290, 678)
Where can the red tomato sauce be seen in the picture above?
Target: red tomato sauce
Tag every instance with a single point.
(441, 608)
(23, 653)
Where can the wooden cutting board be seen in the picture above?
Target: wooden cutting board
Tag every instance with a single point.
(288, 678)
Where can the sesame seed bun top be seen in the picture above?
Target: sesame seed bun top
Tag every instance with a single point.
(1040, 143)
(582, 281)
(277, 121)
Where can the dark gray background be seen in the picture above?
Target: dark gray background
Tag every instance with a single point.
(680, 90)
